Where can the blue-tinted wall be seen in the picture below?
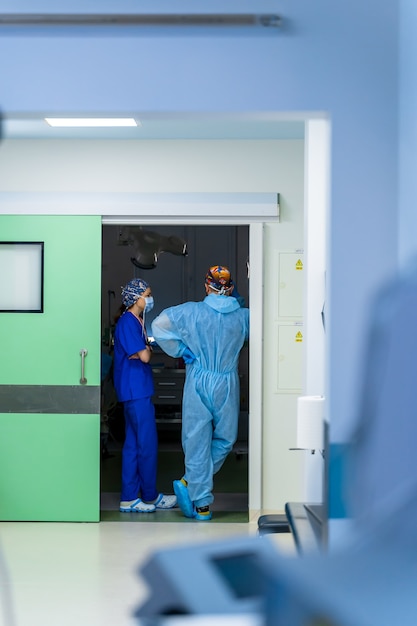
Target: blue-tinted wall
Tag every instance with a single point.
(337, 58)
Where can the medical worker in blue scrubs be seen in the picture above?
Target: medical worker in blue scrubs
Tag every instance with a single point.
(133, 382)
(208, 335)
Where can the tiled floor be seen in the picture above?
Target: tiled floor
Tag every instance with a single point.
(61, 574)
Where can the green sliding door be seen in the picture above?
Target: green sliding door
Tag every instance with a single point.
(50, 375)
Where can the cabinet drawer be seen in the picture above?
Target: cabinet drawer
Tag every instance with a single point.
(168, 396)
(168, 384)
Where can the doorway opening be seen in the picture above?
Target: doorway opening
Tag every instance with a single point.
(174, 279)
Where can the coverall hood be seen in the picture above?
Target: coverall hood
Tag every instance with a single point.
(223, 304)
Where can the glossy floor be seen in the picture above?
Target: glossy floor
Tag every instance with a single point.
(61, 574)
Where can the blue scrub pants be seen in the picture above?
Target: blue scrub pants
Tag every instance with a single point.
(140, 451)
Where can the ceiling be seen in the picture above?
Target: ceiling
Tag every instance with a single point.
(166, 126)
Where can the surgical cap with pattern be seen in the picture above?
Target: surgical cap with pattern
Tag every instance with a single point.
(132, 291)
(219, 279)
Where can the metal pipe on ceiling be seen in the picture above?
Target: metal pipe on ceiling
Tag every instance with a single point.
(122, 19)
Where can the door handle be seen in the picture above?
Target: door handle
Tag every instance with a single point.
(83, 354)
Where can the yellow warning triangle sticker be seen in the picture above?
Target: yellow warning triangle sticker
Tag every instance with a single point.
(299, 336)
(299, 265)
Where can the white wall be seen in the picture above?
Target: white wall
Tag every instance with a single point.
(118, 166)
(282, 479)
(316, 219)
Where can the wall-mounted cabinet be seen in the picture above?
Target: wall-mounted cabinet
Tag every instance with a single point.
(290, 358)
(291, 285)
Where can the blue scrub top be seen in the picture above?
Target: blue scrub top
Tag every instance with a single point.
(132, 378)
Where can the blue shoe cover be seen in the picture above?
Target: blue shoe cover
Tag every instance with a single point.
(183, 499)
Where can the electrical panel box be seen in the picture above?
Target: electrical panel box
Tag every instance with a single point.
(291, 285)
(290, 358)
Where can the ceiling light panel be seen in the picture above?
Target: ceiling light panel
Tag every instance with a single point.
(90, 122)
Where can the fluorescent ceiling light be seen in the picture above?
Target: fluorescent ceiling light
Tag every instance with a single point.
(90, 122)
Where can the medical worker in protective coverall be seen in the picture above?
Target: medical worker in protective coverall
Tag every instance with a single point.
(134, 387)
(208, 335)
